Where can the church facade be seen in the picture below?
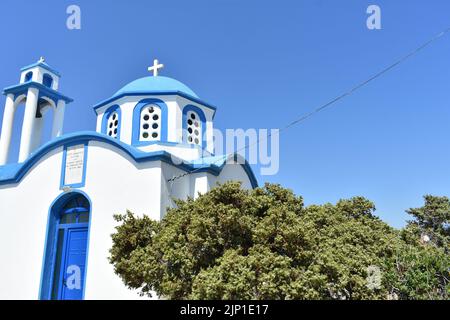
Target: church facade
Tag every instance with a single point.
(153, 143)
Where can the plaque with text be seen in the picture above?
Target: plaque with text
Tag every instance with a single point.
(74, 166)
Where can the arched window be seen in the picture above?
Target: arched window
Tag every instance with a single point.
(113, 125)
(75, 211)
(47, 80)
(194, 128)
(150, 123)
(111, 122)
(194, 124)
(66, 250)
(29, 76)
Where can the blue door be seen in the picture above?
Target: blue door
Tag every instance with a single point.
(74, 264)
(70, 251)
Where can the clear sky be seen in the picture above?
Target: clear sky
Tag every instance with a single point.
(263, 64)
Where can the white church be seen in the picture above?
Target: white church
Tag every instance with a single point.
(153, 143)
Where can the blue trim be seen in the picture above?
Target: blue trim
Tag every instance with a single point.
(19, 89)
(75, 210)
(73, 225)
(154, 93)
(201, 114)
(63, 168)
(14, 173)
(106, 116)
(136, 125)
(62, 265)
(42, 65)
(48, 259)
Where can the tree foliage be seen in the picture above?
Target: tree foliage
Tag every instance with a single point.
(265, 244)
(431, 221)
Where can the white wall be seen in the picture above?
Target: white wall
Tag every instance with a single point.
(233, 172)
(193, 184)
(24, 212)
(185, 152)
(178, 189)
(114, 183)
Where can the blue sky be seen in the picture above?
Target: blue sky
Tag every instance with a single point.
(263, 64)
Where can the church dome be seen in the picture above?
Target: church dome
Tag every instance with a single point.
(155, 85)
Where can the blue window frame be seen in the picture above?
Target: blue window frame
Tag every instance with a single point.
(139, 123)
(47, 80)
(65, 257)
(194, 126)
(112, 122)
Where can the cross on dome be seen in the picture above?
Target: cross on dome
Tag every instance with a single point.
(41, 60)
(155, 67)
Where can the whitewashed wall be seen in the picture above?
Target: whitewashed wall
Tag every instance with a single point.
(24, 212)
(114, 183)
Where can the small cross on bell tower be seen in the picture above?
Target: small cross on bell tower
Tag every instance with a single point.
(156, 66)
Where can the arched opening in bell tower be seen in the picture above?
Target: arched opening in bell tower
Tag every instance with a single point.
(43, 125)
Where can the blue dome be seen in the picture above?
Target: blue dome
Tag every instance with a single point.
(156, 85)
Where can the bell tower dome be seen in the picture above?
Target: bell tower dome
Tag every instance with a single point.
(38, 89)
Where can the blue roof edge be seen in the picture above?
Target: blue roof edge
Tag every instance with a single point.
(42, 65)
(13, 173)
(23, 86)
(155, 93)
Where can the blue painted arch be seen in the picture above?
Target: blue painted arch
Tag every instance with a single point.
(202, 116)
(49, 256)
(136, 125)
(107, 114)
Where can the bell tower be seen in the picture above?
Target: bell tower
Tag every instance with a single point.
(38, 89)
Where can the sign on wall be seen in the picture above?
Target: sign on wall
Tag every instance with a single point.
(74, 166)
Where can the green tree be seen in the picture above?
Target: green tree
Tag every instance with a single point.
(418, 272)
(265, 244)
(431, 222)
